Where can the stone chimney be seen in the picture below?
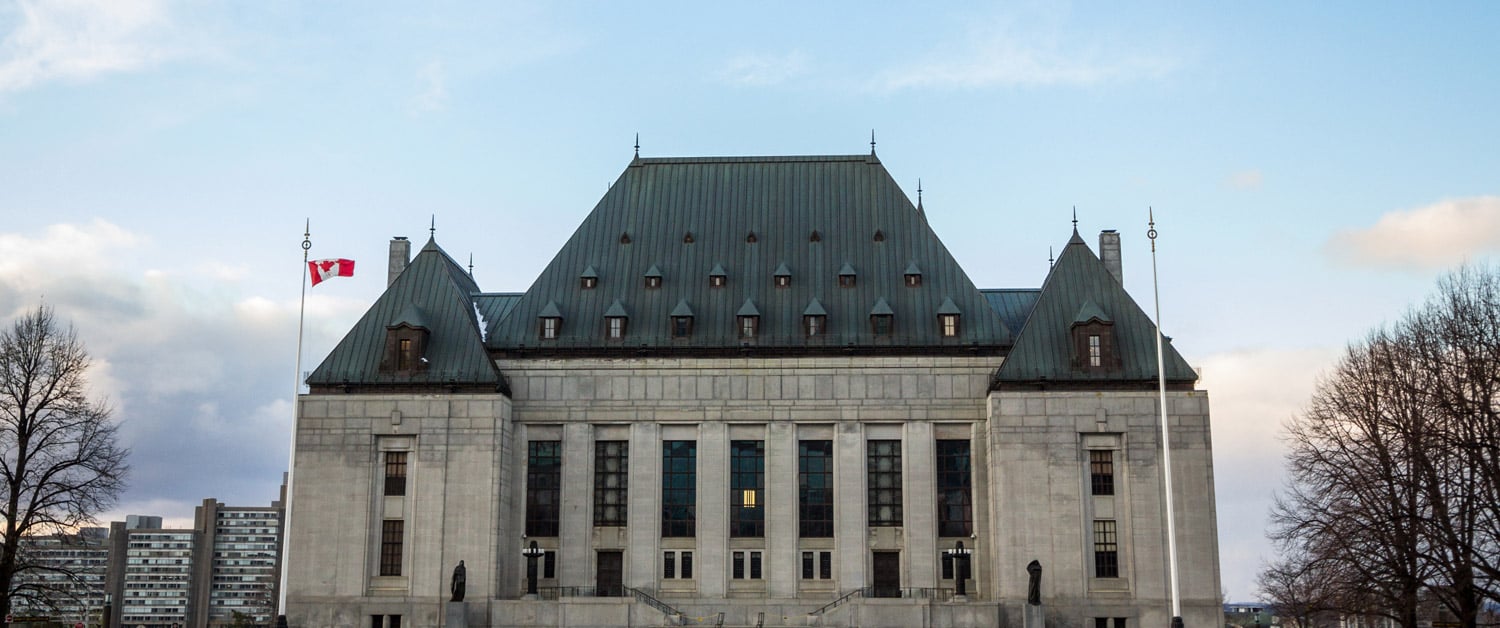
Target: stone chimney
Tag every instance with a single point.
(1109, 253)
(401, 256)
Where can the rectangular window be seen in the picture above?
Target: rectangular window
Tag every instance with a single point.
(616, 327)
(947, 565)
(392, 621)
(1101, 622)
(611, 482)
(755, 565)
(748, 325)
(543, 487)
(949, 324)
(550, 326)
(737, 566)
(669, 565)
(881, 324)
(1095, 356)
(813, 325)
(1106, 550)
(390, 546)
(955, 489)
(395, 473)
(549, 564)
(1102, 471)
(682, 326)
(747, 473)
(815, 488)
(404, 357)
(679, 488)
(825, 565)
(1119, 622)
(687, 565)
(807, 565)
(884, 476)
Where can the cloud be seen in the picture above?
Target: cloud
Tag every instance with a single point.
(1440, 235)
(76, 40)
(1003, 53)
(432, 88)
(761, 70)
(1245, 180)
(1252, 394)
(201, 381)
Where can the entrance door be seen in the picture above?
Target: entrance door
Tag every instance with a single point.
(609, 580)
(886, 567)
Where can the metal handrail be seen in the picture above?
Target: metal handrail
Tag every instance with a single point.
(835, 604)
(925, 593)
(643, 596)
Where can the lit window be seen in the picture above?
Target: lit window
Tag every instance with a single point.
(616, 327)
(949, 324)
(814, 325)
(1095, 356)
(913, 281)
(747, 468)
(551, 325)
(404, 357)
(783, 281)
(653, 282)
(588, 283)
(716, 281)
(749, 325)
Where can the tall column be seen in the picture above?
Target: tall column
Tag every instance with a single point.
(850, 518)
(713, 510)
(919, 491)
(781, 510)
(644, 515)
(575, 564)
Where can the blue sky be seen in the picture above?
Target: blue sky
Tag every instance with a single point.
(1313, 167)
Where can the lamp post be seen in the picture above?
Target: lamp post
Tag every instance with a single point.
(532, 552)
(108, 610)
(960, 570)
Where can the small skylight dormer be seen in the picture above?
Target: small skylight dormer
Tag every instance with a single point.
(624, 237)
(814, 320)
(815, 237)
(748, 319)
(615, 321)
(750, 238)
(879, 236)
(687, 238)
(782, 277)
(913, 275)
(406, 339)
(682, 320)
(948, 319)
(882, 318)
(589, 279)
(1093, 339)
(549, 322)
(653, 277)
(717, 278)
(846, 276)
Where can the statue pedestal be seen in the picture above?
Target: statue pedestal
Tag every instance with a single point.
(1035, 618)
(457, 615)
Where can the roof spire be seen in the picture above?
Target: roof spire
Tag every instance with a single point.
(872, 141)
(471, 265)
(432, 227)
(1049, 258)
(1075, 219)
(637, 145)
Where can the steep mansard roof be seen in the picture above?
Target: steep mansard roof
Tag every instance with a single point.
(432, 293)
(751, 217)
(1079, 289)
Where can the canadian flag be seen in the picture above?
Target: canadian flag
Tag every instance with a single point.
(321, 269)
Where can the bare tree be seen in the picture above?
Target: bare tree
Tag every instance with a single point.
(59, 462)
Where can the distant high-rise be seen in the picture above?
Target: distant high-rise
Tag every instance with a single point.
(68, 583)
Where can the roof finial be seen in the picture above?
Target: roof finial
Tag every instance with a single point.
(1075, 219)
(1151, 227)
(872, 141)
(637, 145)
(432, 227)
(471, 265)
(1049, 258)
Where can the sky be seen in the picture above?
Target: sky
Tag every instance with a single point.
(1312, 168)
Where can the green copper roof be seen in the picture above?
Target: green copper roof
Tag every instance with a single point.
(811, 217)
(1080, 285)
(433, 293)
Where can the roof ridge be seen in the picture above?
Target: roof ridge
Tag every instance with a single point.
(730, 159)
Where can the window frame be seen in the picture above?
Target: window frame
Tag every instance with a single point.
(1101, 472)
(955, 487)
(604, 458)
(747, 473)
(550, 327)
(543, 488)
(1106, 549)
(395, 473)
(615, 327)
(949, 325)
(883, 486)
(815, 505)
(679, 488)
(814, 325)
(392, 544)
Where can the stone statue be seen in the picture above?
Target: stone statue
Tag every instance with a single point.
(460, 578)
(1034, 587)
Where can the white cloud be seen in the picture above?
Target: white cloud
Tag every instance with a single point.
(79, 39)
(760, 70)
(1004, 53)
(1252, 393)
(1440, 235)
(432, 88)
(1245, 180)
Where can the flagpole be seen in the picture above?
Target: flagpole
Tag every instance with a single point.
(1166, 444)
(286, 524)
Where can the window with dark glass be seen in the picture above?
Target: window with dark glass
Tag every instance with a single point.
(679, 488)
(1106, 549)
(611, 482)
(815, 488)
(825, 565)
(955, 489)
(391, 531)
(615, 327)
(737, 566)
(747, 469)
(551, 325)
(392, 621)
(549, 564)
(948, 325)
(913, 280)
(669, 565)
(822, 568)
(846, 281)
(543, 487)
(883, 466)
(947, 561)
(755, 565)
(739, 561)
(687, 565)
(395, 473)
(653, 281)
(881, 324)
(682, 326)
(749, 325)
(1102, 471)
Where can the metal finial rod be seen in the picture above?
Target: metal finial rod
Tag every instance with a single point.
(1049, 258)
(432, 227)
(919, 190)
(872, 141)
(1075, 217)
(637, 145)
(306, 238)
(471, 264)
(1151, 230)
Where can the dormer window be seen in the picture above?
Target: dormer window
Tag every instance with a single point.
(782, 277)
(948, 319)
(405, 348)
(881, 318)
(814, 320)
(589, 279)
(748, 320)
(615, 321)
(913, 275)
(406, 354)
(1093, 339)
(846, 276)
(717, 277)
(653, 278)
(549, 322)
(682, 320)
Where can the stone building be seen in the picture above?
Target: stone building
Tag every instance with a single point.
(759, 387)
